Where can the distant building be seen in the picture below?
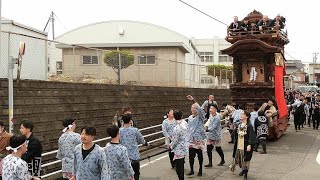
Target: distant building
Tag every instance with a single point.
(295, 74)
(210, 54)
(314, 73)
(162, 56)
(35, 61)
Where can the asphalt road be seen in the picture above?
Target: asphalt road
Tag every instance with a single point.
(292, 157)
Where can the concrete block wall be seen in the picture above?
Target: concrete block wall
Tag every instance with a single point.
(48, 103)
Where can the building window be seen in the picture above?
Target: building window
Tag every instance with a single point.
(59, 65)
(206, 56)
(90, 60)
(146, 59)
(224, 58)
(207, 80)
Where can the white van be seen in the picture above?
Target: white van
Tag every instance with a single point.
(304, 89)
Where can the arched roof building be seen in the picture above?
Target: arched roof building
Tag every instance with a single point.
(161, 55)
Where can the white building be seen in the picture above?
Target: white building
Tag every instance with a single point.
(173, 58)
(34, 62)
(210, 53)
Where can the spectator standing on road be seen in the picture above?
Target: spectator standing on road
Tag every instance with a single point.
(206, 105)
(245, 139)
(298, 113)
(316, 113)
(236, 120)
(4, 142)
(33, 154)
(117, 119)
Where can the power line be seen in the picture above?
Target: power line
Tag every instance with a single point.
(290, 56)
(60, 21)
(203, 13)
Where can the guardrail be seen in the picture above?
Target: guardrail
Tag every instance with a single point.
(96, 141)
(99, 140)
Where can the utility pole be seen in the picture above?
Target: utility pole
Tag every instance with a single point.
(51, 19)
(315, 54)
(119, 66)
(0, 30)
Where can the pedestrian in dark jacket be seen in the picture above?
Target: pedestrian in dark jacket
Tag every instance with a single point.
(33, 155)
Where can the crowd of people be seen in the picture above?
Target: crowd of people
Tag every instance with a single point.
(20, 154)
(304, 107)
(201, 132)
(196, 135)
(262, 26)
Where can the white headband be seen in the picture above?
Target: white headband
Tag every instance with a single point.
(66, 128)
(9, 148)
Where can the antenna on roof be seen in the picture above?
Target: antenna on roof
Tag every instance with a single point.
(51, 19)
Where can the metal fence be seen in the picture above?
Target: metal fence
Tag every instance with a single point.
(55, 61)
(157, 133)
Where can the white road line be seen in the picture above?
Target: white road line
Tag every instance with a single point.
(162, 157)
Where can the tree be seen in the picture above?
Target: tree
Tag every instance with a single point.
(111, 58)
(214, 70)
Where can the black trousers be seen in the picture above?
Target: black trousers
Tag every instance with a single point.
(315, 122)
(263, 142)
(192, 154)
(171, 155)
(180, 168)
(231, 134)
(297, 126)
(136, 168)
(219, 151)
(298, 120)
(310, 113)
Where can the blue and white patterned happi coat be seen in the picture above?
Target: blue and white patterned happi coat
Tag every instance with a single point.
(237, 116)
(67, 142)
(179, 144)
(14, 168)
(214, 128)
(118, 162)
(130, 138)
(92, 167)
(167, 129)
(196, 130)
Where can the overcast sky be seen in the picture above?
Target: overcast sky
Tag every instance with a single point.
(174, 15)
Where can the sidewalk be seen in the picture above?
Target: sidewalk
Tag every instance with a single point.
(292, 157)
